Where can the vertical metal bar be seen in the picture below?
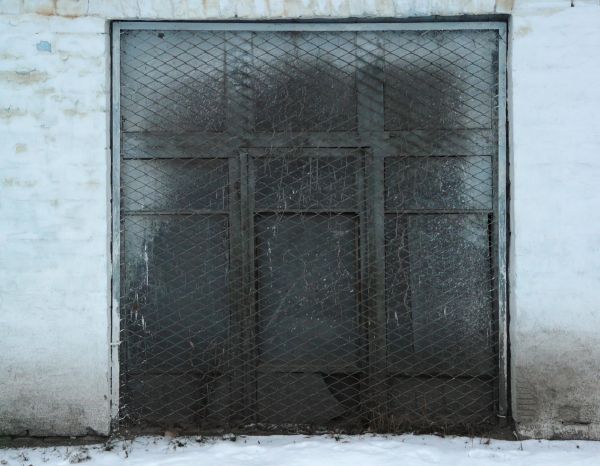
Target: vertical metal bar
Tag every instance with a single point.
(363, 304)
(236, 322)
(249, 317)
(239, 121)
(116, 223)
(240, 111)
(376, 290)
(501, 216)
(370, 107)
(369, 83)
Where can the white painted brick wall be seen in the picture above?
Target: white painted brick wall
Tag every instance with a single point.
(54, 201)
(265, 9)
(53, 225)
(555, 127)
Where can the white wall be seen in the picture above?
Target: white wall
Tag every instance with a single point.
(53, 225)
(555, 175)
(54, 201)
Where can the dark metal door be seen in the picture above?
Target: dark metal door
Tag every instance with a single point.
(311, 226)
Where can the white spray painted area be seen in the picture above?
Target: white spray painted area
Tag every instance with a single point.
(55, 257)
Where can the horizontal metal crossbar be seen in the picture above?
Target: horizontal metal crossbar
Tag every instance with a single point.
(272, 26)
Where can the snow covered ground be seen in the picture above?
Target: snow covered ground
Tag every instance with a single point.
(403, 450)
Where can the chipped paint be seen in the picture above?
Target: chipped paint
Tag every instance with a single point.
(504, 6)
(44, 46)
(45, 91)
(522, 31)
(74, 112)
(40, 7)
(11, 112)
(17, 183)
(23, 77)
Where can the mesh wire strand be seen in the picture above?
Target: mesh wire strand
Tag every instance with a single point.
(308, 230)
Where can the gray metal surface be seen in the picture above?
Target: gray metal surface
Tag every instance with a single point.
(309, 226)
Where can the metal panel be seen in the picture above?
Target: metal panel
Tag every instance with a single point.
(309, 225)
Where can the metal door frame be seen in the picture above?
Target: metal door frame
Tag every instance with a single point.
(500, 182)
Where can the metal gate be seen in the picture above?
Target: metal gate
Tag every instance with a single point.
(309, 226)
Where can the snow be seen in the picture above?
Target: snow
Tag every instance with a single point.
(297, 450)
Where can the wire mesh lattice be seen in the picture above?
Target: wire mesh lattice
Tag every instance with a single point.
(309, 229)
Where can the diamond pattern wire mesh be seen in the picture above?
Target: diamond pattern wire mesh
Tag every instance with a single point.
(308, 230)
